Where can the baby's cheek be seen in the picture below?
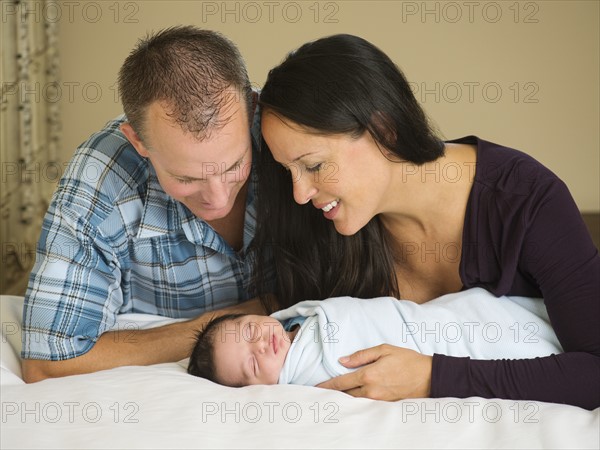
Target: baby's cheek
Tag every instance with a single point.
(275, 373)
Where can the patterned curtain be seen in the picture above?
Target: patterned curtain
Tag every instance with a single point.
(29, 132)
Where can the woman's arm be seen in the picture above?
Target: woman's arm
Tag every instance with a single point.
(557, 255)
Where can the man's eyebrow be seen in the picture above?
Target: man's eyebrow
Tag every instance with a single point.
(233, 166)
(237, 163)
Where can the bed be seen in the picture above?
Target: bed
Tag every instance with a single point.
(161, 406)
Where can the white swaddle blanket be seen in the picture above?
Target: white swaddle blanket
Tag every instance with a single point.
(471, 323)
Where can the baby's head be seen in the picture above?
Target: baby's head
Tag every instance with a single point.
(241, 349)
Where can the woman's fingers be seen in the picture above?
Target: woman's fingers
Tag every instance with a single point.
(342, 382)
(386, 373)
(362, 357)
(354, 380)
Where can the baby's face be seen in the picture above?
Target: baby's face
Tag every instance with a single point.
(250, 350)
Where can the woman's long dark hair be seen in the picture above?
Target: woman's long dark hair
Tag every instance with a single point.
(340, 84)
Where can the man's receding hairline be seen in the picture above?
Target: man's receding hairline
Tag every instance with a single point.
(193, 110)
(204, 135)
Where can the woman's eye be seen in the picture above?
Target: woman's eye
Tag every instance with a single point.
(314, 168)
(184, 181)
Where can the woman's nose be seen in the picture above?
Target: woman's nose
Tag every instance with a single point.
(304, 190)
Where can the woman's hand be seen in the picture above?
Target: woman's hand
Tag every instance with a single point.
(389, 373)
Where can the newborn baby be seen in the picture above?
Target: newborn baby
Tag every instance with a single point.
(241, 349)
(302, 344)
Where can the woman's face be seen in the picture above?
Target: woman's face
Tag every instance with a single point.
(346, 177)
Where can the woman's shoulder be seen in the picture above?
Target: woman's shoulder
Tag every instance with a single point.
(507, 170)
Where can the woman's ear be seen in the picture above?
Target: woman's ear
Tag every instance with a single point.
(384, 127)
(134, 138)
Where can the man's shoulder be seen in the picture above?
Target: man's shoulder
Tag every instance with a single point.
(106, 165)
(105, 182)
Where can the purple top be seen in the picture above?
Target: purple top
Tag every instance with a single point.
(523, 235)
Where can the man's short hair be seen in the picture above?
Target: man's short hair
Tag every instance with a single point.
(195, 73)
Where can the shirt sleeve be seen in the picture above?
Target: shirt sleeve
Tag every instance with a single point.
(74, 289)
(559, 257)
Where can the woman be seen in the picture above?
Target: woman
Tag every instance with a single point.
(384, 207)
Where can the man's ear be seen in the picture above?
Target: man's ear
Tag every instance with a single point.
(134, 138)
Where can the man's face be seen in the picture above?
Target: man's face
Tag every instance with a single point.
(206, 176)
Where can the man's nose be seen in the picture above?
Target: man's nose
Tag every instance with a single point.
(217, 192)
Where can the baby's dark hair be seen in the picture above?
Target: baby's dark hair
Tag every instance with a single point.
(202, 359)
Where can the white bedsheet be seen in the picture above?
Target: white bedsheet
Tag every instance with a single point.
(161, 406)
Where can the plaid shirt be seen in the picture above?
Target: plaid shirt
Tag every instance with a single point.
(114, 242)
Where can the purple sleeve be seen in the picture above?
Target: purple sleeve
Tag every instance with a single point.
(558, 258)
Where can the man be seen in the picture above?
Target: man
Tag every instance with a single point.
(153, 215)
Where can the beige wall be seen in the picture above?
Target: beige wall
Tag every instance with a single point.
(524, 74)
